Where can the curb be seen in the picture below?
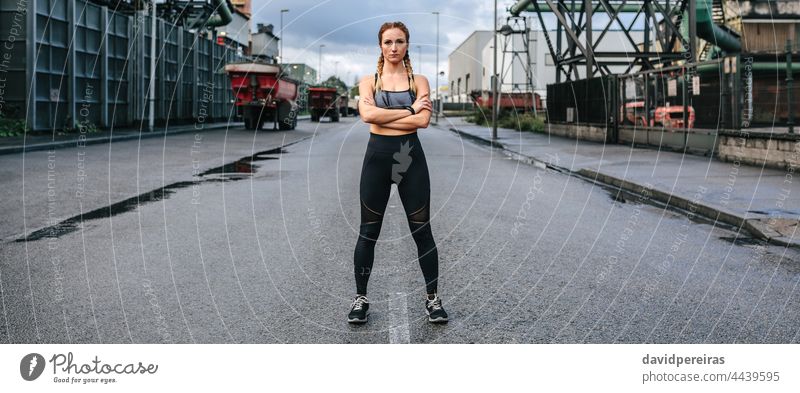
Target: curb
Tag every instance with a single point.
(112, 138)
(686, 206)
(102, 139)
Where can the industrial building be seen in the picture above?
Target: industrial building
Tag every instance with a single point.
(712, 77)
(93, 63)
(301, 72)
(469, 62)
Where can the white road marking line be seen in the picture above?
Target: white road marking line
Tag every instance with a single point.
(398, 317)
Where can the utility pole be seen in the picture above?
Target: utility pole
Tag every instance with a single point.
(494, 75)
(789, 79)
(419, 59)
(151, 117)
(436, 68)
(319, 71)
(280, 55)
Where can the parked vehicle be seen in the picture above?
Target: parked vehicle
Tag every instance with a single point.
(263, 94)
(343, 110)
(352, 106)
(322, 102)
(670, 116)
(509, 101)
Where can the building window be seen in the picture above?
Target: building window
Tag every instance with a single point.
(458, 90)
(466, 85)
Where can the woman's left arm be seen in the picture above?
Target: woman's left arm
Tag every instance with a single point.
(419, 120)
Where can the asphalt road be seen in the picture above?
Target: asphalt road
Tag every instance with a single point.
(176, 248)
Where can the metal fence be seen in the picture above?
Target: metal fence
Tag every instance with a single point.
(584, 101)
(71, 62)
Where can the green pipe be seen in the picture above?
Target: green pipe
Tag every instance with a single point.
(520, 6)
(759, 66)
(709, 31)
(773, 66)
(221, 17)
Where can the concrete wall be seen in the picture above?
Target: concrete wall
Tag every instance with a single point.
(577, 131)
(771, 150)
(696, 141)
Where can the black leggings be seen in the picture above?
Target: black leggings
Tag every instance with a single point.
(399, 160)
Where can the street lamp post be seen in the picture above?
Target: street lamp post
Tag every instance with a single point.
(419, 59)
(319, 71)
(494, 75)
(280, 55)
(436, 68)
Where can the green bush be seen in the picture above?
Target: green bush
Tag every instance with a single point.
(11, 127)
(83, 126)
(522, 122)
(479, 117)
(509, 119)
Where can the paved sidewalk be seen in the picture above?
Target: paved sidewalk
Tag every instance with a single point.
(48, 141)
(764, 201)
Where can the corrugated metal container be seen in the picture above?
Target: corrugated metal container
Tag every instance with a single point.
(71, 63)
(768, 37)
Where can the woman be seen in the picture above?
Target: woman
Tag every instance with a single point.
(394, 155)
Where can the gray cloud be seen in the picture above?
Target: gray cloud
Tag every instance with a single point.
(349, 29)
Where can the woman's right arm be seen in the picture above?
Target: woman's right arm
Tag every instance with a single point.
(372, 114)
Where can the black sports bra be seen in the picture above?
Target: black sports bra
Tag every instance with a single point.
(393, 99)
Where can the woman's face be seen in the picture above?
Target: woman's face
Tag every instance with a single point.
(394, 45)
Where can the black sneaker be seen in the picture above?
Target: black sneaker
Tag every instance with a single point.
(433, 307)
(359, 310)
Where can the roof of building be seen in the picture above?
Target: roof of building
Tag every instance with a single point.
(476, 32)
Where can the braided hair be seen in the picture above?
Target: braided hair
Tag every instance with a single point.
(406, 58)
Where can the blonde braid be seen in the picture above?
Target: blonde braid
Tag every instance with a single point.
(410, 73)
(380, 73)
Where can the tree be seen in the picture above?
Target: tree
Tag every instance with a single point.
(333, 81)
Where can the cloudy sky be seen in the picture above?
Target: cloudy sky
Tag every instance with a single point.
(349, 30)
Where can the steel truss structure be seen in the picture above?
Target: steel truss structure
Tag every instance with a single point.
(574, 22)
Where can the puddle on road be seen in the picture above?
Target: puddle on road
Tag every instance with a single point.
(74, 223)
(617, 196)
(744, 241)
(243, 165)
(775, 212)
(238, 170)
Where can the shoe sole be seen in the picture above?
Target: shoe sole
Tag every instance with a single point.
(437, 320)
(358, 321)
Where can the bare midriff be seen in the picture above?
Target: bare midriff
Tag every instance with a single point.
(376, 129)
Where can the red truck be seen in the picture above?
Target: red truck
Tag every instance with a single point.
(516, 101)
(323, 101)
(670, 116)
(263, 94)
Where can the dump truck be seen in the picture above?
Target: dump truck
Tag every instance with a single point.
(263, 93)
(323, 101)
(343, 110)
